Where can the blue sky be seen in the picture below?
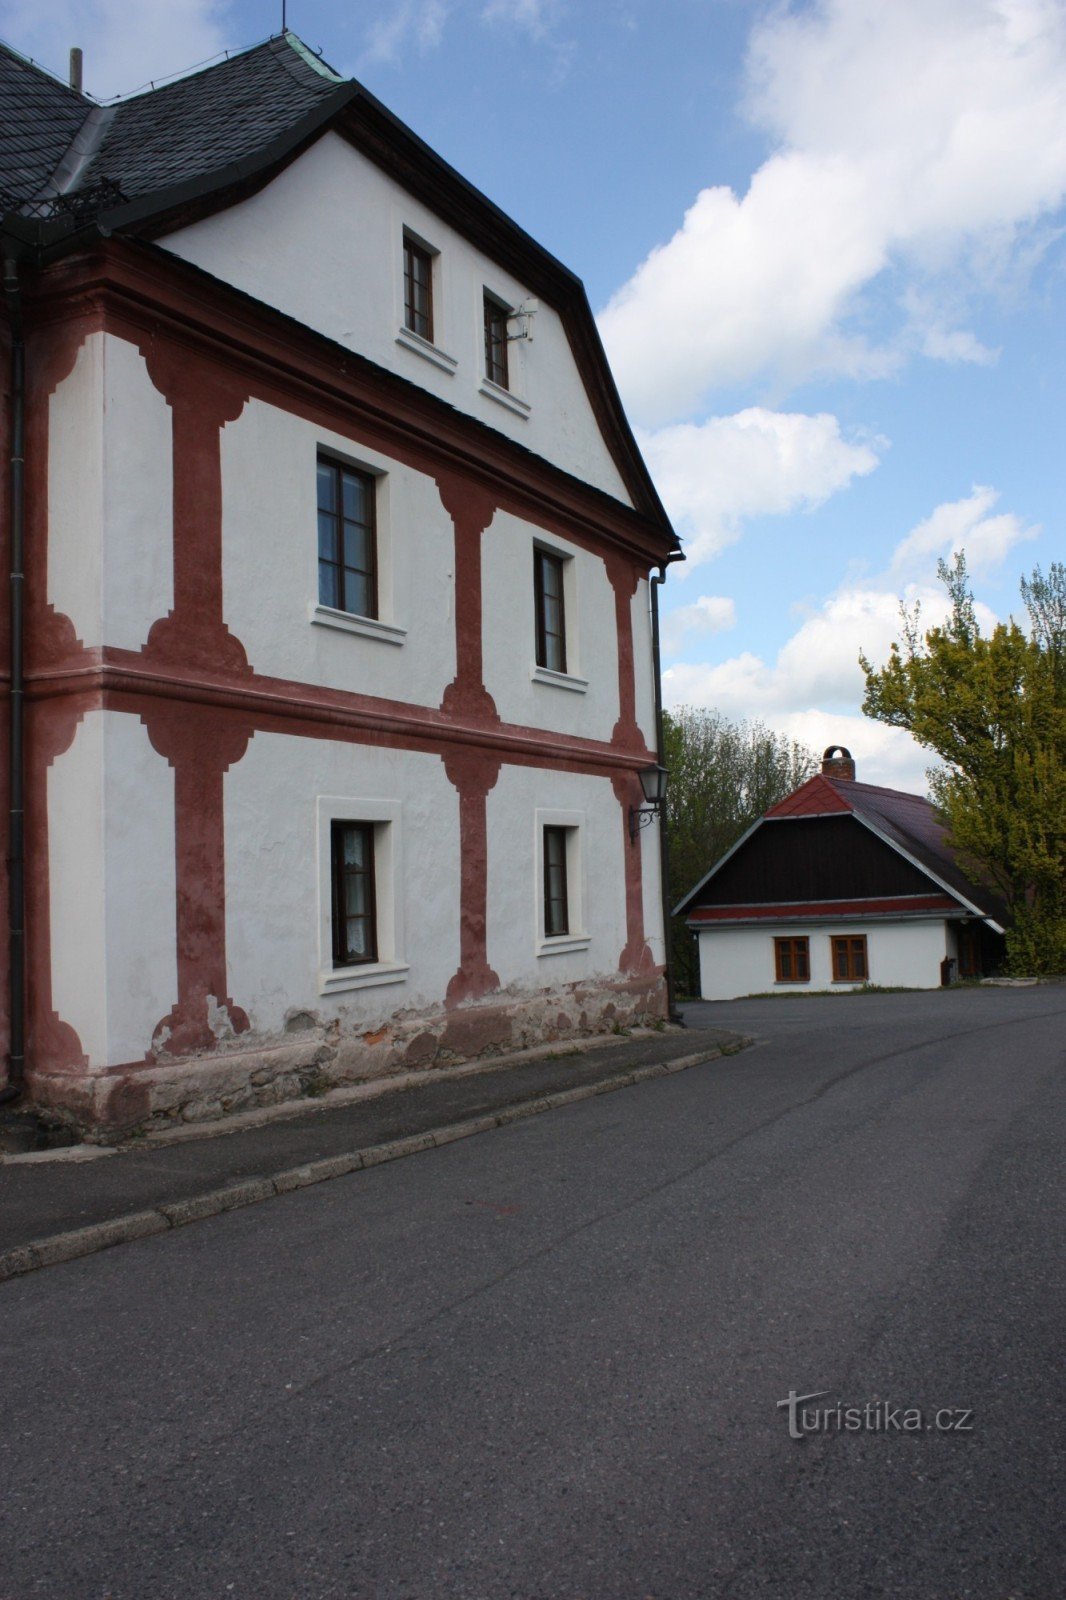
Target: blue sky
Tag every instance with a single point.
(824, 241)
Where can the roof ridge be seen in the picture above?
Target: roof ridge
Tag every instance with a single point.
(53, 78)
(119, 102)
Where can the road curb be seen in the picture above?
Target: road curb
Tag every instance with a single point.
(59, 1247)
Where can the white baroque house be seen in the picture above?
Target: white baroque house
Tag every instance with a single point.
(333, 666)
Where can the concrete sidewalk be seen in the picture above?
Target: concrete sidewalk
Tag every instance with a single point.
(57, 1205)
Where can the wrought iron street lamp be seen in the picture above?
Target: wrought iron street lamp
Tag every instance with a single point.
(653, 783)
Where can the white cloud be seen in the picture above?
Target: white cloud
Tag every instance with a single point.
(814, 688)
(125, 46)
(961, 525)
(715, 474)
(711, 613)
(413, 22)
(535, 17)
(925, 135)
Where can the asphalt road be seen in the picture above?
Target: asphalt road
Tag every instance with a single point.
(546, 1362)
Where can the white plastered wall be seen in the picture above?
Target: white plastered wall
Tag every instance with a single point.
(523, 800)
(651, 881)
(270, 563)
(588, 708)
(111, 887)
(740, 961)
(644, 663)
(274, 888)
(323, 243)
(110, 496)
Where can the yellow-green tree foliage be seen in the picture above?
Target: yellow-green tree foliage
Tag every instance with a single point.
(994, 710)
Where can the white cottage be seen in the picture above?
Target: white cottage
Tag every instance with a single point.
(337, 629)
(842, 884)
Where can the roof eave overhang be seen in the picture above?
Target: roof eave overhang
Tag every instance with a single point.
(155, 213)
(948, 888)
(827, 920)
(686, 900)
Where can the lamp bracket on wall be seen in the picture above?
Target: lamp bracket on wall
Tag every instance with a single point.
(653, 783)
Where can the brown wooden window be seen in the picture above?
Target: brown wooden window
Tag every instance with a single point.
(849, 959)
(551, 614)
(556, 907)
(347, 539)
(354, 910)
(417, 288)
(496, 314)
(792, 960)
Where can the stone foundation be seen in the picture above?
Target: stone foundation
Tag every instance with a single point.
(311, 1058)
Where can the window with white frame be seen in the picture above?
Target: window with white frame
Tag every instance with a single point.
(347, 538)
(360, 895)
(353, 578)
(555, 610)
(560, 895)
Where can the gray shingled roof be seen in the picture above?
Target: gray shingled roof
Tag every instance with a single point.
(182, 132)
(208, 121)
(39, 117)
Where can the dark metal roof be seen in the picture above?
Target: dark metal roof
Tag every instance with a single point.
(39, 117)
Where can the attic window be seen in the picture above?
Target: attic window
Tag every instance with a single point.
(417, 288)
(496, 315)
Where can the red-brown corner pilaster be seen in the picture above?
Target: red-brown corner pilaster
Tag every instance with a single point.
(623, 576)
(471, 510)
(52, 1045)
(202, 401)
(200, 746)
(51, 355)
(473, 775)
(637, 956)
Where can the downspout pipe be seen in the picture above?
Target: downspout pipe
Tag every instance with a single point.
(657, 580)
(16, 854)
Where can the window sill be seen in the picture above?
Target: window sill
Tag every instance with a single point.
(371, 976)
(564, 944)
(559, 680)
(504, 397)
(348, 622)
(791, 983)
(428, 352)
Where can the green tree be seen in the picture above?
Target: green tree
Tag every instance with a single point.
(994, 710)
(723, 776)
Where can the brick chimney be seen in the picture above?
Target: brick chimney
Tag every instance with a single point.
(837, 763)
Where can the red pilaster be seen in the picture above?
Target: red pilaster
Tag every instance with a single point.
(623, 577)
(202, 401)
(471, 510)
(200, 747)
(636, 956)
(473, 776)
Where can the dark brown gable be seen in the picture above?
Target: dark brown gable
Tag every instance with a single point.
(812, 858)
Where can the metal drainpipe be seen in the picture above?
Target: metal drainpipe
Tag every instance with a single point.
(16, 838)
(658, 579)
